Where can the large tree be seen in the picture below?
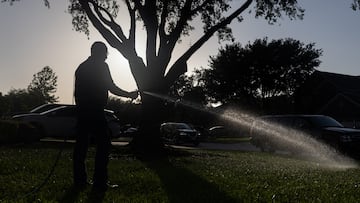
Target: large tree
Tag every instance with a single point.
(165, 23)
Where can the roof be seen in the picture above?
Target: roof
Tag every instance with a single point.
(346, 84)
(330, 93)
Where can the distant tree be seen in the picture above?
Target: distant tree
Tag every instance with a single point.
(257, 71)
(189, 88)
(39, 91)
(44, 84)
(19, 100)
(46, 2)
(127, 111)
(2, 105)
(356, 5)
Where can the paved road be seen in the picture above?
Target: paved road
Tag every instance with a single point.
(242, 146)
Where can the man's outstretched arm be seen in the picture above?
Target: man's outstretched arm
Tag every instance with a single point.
(122, 93)
(116, 90)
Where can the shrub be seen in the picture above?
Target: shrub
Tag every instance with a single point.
(17, 132)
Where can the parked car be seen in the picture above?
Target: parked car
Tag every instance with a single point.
(223, 131)
(60, 122)
(320, 127)
(179, 133)
(129, 131)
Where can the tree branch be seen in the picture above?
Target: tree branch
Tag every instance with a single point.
(108, 35)
(164, 48)
(132, 23)
(179, 66)
(112, 24)
(184, 16)
(151, 25)
(213, 29)
(164, 14)
(169, 43)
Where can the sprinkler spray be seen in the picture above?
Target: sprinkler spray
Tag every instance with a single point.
(244, 120)
(162, 97)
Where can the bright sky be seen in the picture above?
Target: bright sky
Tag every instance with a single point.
(33, 36)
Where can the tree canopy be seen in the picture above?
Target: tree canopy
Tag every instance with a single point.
(190, 88)
(165, 23)
(256, 71)
(44, 83)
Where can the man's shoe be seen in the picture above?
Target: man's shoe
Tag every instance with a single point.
(104, 187)
(112, 185)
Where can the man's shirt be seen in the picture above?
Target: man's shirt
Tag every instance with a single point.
(92, 83)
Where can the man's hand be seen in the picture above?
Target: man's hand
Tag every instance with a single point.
(133, 94)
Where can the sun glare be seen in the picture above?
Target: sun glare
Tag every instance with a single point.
(120, 70)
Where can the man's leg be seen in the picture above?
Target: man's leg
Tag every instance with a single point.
(103, 142)
(79, 156)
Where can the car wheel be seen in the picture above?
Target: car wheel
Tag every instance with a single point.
(110, 134)
(196, 143)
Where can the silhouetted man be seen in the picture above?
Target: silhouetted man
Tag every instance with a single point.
(92, 83)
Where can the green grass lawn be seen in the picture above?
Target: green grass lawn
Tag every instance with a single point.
(178, 176)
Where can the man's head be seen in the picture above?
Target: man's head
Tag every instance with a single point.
(99, 50)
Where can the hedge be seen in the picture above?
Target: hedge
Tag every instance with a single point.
(17, 132)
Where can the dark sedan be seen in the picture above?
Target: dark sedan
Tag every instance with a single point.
(179, 133)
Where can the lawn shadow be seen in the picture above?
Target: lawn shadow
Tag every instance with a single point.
(71, 195)
(95, 197)
(182, 185)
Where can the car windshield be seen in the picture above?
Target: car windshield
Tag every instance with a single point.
(324, 121)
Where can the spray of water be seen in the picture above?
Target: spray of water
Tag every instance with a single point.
(291, 140)
(288, 139)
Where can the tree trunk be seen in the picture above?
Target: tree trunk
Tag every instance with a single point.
(152, 111)
(152, 115)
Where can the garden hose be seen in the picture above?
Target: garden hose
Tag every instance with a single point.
(51, 172)
(47, 178)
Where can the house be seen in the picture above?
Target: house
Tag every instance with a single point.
(331, 94)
